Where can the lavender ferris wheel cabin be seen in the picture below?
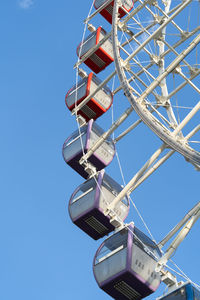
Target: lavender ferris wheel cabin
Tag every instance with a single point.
(124, 265)
(89, 202)
(80, 141)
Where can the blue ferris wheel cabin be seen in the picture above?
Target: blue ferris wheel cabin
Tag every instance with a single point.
(185, 292)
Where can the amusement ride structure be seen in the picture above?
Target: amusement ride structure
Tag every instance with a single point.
(149, 53)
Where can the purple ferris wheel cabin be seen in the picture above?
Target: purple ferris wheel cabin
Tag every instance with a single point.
(124, 265)
(78, 144)
(89, 202)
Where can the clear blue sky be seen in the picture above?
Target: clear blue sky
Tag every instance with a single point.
(43, 256)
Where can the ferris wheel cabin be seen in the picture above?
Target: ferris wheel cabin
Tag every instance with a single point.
(185, 292)
(97, 105)
(124, 265)
(102, 57)
(89, 201)
(78, 144)
(108, 10)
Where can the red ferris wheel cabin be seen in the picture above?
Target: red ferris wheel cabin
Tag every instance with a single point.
(97, 105)
(102, 57)
(108, 10)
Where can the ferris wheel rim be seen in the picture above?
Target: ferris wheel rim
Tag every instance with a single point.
(172, 141)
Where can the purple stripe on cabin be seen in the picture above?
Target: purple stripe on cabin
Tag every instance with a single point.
(98, 188)
(129, 247)
(89, 129)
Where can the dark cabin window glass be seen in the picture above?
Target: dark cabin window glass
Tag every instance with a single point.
(196, 294)
(112, 245)
(145, 243)
(76, 135)
(99, 131)
(98, 82)
(84, 189)
(179, 294)
(77, 92)
(113, 187)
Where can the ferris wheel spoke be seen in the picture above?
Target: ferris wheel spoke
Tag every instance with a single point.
(126, 190)
(147, 117)
(195, 73)
(178, 70)
(187, 119)
(155, 61)
(149, 168)
(157, 31)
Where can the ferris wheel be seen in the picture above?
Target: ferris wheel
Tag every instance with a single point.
(149, 53)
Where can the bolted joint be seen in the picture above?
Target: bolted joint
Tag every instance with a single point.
(158, 19)
(80, 120)
(126, 65)
(91, 28)
(169, 279)
(177, 70)
(162, 101)
(153, 3)
(82, 73)
(90, 169)
(185, 34)
(156, 59)
(193, 71)
(114, 219)
(116, 222)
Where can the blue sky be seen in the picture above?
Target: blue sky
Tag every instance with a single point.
(43, 255)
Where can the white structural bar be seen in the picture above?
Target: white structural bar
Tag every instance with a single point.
(179, 225)
(139, 177)
(183, 84)
(139, 104)
(178, 239)
(133, 126)
(104, 136)
(152, 169)
(170, 68)
(193, 132)
(182, 40)
(134, 12)
(156, 32)
(163, 83)
(127, 188)
(187, 119)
